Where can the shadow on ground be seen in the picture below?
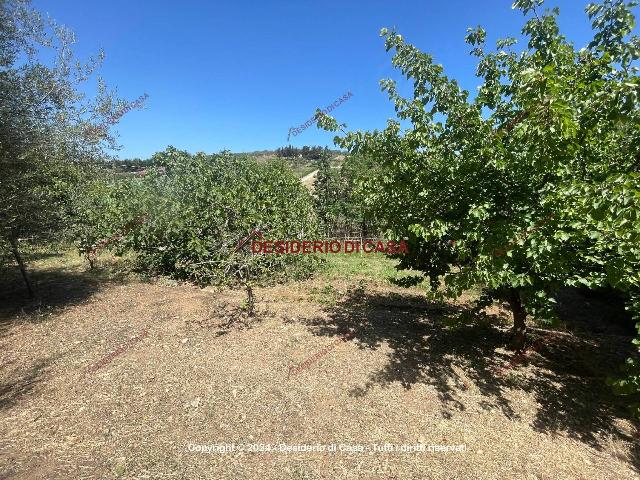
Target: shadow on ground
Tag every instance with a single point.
(23, 381)
(54, 288)
(443, 346)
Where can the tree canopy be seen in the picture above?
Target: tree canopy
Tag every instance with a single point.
(44, 118)
(528, 186)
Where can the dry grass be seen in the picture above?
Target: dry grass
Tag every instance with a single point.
(410, 372)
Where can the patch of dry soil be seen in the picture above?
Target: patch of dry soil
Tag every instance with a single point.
(408, 372)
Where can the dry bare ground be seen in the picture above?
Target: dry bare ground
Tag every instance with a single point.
(409, 372)
(308, 180)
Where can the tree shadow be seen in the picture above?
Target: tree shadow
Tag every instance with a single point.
(570, 386)
(23, 382)
(54, 289)
(452, 350)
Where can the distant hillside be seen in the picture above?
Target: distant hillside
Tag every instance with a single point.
(301, 160)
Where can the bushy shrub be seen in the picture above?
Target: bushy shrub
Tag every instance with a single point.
(186, 216)
(105, 210)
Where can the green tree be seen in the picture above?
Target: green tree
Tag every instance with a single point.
(108, 211)
(327, 198)
(532, 184)
(357, 216)
(46, 125)
(339, 200)
(196, 211)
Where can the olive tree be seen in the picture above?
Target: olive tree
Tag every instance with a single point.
(44, 124)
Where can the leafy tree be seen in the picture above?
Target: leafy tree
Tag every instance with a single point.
(287, 152)
(339, 202)
(532, 184)
(44, 120)
(108, 210)
(358, 216)
(196, 209)
(327, 198)
(209, 203)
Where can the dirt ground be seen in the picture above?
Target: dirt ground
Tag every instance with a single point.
(117, 378)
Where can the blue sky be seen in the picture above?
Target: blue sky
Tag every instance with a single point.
(238, 75)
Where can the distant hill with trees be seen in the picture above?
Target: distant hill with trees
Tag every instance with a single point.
(301, 160)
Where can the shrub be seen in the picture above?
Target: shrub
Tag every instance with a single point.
(196, 210)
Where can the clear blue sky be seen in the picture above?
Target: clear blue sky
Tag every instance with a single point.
(237, 75)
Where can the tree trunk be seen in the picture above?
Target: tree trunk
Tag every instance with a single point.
(519, 334)
(23, 270)
(250, 302)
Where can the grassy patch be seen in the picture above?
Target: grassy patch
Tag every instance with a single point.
(370, 266)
